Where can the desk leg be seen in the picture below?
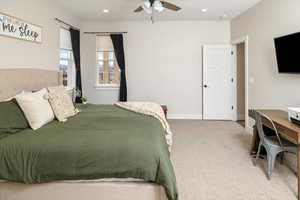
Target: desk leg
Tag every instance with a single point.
(298, 169)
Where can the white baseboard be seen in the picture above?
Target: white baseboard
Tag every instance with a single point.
(185, 116)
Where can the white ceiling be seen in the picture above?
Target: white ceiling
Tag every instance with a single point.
(122, 10)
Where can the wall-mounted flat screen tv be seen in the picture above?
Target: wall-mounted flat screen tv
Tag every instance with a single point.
(288, 53)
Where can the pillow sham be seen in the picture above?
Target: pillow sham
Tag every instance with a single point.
(61, 103)
(12, 118)
(36, 108)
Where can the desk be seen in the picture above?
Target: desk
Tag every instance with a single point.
(285, 128)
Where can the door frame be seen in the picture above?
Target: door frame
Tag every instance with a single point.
(235, 42)
(234, 89)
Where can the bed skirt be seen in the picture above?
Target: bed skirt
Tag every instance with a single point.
(80, 191)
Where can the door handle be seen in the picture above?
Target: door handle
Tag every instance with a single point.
(205, 86)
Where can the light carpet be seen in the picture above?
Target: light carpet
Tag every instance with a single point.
(212, 162)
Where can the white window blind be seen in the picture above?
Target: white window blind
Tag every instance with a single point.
(104, 43)
(67, 65)
(65, 39)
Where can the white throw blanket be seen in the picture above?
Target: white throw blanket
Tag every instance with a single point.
(152, 109)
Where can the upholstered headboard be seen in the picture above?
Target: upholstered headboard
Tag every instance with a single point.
(13, 81)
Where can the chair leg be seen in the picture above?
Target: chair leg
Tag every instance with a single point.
(257, 154)
(281, 158)
(271, 156)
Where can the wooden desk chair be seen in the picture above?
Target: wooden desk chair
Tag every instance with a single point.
(273, 144)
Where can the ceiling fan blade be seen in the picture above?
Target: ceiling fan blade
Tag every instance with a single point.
(170, 6)
(139, 9)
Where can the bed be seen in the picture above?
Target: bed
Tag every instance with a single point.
(55, 179)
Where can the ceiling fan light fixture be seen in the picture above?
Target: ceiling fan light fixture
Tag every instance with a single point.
(150, 6)
(148, 10)
(147, 4)
(147, 7)
(157, 5)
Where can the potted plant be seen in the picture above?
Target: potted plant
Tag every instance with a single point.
(83, 100)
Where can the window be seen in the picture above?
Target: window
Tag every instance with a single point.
(108, 71)
(66, 66)
(66, 60)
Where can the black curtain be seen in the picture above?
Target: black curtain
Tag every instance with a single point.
(117, 40)
(75, 38)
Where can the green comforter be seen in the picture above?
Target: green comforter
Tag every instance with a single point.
(100, 142)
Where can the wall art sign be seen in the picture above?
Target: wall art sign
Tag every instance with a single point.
(13, 27)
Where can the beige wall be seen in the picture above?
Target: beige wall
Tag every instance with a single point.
(22, 54)
(241, 81)
(164, 62)
(262, 23)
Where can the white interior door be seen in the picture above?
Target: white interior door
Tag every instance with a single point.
(218, 83)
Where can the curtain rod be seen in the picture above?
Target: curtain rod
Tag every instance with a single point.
(60, 21)
(104, 33)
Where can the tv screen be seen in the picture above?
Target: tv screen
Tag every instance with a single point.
(288, 53)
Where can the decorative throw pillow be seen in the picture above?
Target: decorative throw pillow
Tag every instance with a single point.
(12, 118)
(61, 103)
(36, 108)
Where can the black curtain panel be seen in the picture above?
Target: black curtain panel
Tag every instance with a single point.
(75, 38)
(117, 40)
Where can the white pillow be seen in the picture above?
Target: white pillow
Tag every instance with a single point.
(23, 92)
(36, 108)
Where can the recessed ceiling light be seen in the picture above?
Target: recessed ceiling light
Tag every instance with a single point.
(105, 10)
(204, 9)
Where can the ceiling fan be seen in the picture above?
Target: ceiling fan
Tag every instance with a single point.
(156, 5)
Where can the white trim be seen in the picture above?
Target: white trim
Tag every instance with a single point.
(69, 89)
(245, 40)
(107, 87)
(235, 116)
(185, 116)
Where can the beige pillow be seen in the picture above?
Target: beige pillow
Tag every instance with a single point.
(61, 103)
(36, 108)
